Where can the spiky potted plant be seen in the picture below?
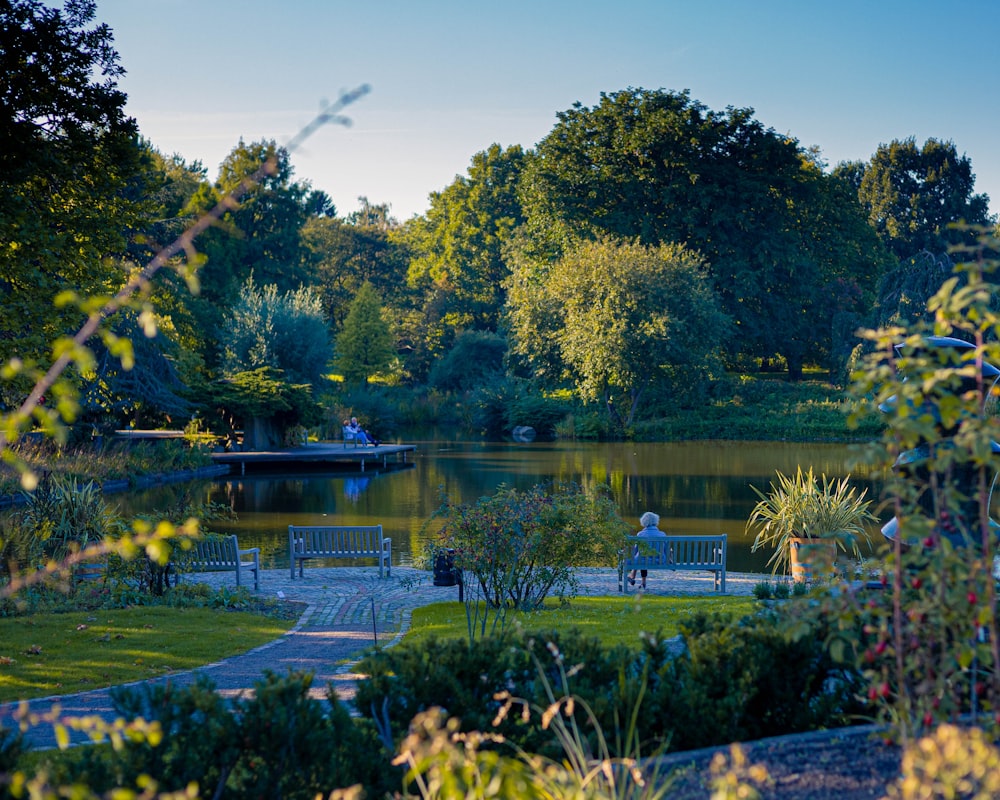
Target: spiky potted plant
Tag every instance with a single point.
(806, 521)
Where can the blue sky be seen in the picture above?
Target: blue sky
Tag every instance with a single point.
(451, 77)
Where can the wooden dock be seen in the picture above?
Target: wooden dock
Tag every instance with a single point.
(317, 454)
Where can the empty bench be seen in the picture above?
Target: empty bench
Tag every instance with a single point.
(687, 553)
(360, 541)
(223, 555)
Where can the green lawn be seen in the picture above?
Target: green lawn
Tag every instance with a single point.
(48, 654)
(615, 620)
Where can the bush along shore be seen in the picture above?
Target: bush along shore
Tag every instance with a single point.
(114, 468)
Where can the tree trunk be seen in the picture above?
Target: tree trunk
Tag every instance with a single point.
(261, 434)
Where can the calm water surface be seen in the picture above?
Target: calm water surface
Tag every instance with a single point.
(696, 487)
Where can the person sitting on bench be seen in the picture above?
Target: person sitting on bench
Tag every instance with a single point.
(360, 434)
(649, 521)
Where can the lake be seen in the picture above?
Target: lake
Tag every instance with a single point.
(695, 487)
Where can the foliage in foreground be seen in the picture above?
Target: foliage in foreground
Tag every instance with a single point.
(277, 743)
(929, 642)
(731, 682)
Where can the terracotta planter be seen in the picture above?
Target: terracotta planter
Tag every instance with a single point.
(811, 558)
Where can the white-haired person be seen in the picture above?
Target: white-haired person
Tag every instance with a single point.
(363, 436)
(650, 530)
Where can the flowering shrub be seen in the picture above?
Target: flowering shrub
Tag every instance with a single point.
(519, 547)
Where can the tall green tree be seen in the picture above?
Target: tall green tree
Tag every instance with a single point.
(262, 234)
(912, 194)
(287, 332)
(340, 255)
(365, 344)
(622, 318)
(457, 247)
(71, 169)
(659, 167)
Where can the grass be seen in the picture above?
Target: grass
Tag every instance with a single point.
(47, 654)
(614, 620)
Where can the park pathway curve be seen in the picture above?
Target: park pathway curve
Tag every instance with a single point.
(348, 610)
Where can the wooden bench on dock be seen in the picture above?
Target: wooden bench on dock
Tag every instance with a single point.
(223, 555)
(359, 541)
(687, 553)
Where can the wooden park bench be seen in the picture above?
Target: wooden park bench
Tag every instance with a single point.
(351, 436)
(223, 555)
(360, 541)
(687, 553)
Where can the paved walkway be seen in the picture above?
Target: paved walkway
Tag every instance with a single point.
(348, 611)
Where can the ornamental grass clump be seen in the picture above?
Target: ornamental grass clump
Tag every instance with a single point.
(800, 507)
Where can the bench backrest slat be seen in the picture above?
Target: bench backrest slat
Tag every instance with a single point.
(338, 541)
(214, 554)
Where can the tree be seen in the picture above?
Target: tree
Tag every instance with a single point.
(287, 332)
(146, 390)
(262, 234)
(659, 167)
(457, 247)
(621, 317)
(364, 346)
(341, 255)
(266, 405)
(71, 169)
(911, 195)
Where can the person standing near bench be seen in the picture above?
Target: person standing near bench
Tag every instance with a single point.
(650, 530)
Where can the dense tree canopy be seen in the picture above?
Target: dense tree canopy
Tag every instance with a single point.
(71, 169)
(457, 247)
(262, 234)
(614, 256)
(661, 167)
(620, 317)
(340, 255)
(912, 194)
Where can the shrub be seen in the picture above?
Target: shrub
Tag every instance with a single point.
(466, 681)
(475, 358)
(519, 547)
(278, 743)
(735, 681)
(763, 590)
(749, 680)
